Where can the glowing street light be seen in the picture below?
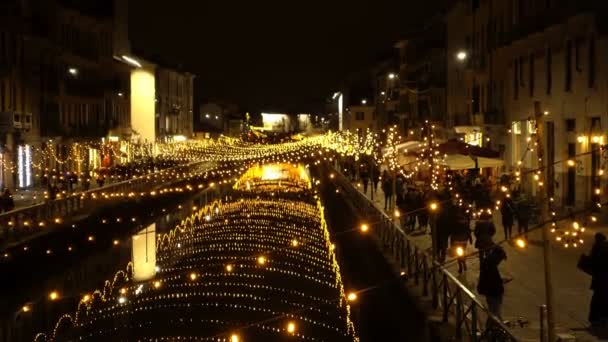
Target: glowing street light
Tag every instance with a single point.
(434, 206)
(392, 76)
(54, 295)
(291, 327)
(364, 228)
(461, 55)
(364, 102)
(521, 243)
(73, 71)
(459, 251)
(352, 297)
(131, 61)
(235, 338)
(261, 260)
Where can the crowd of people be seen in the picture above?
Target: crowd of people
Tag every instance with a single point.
(457, 225)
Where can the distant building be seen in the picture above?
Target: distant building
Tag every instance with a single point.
(421, 78)
(215, 115)
(361, 118)
(174, 103)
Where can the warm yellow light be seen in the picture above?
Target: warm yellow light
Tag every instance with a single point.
(364, 228)
(228, 268)
(91, 238)
(598, 191)
(156, 284)
(86, 298)
(235, 338)
(57, 220)
(261, 260)
(571, 162)
(581, 139)
(193, 276)
(291, 327)
(397, 213)
(116, 242)
(54, 295)
(351, 297)
(503, 189)
(294, 243)
(596, 139)
(459, 251)
(521, 243)
(26, 308)
(434, 206)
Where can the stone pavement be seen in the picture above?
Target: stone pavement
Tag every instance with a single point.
(526, 291)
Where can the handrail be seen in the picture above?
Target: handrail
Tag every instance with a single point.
(496, 324)
(90, 191)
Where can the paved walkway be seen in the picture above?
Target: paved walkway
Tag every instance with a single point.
(526, 292)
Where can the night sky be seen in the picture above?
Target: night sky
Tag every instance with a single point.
(271, 55)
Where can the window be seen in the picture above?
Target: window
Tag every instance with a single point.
(521, 71)
(568, 66)
(531, 75)
(517, 127)
(596, 123)
(548, 65)
(570, 125)
(360, 116)
(592, 67)
(515, 79)
(577, 60)
(2, 98)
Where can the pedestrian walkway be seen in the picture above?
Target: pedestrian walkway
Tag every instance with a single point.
(525, 291)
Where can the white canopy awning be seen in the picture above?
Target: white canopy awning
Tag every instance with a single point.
(463, 162)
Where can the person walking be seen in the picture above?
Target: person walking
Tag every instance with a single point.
(507, 211)
(523, 217)
(484, 233)
(422, 211)
(364, 179)
(375, 178)
(491, 284)
(444, 226)
(387, 188)
(596, 265)
(461, 236)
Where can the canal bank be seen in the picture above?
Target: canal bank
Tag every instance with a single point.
(384, 309)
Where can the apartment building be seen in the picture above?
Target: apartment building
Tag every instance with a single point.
(511, 60)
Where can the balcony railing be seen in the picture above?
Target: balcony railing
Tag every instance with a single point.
(457, 305)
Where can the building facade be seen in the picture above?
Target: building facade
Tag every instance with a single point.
(174, 103)
(511, 62)
(422, 74)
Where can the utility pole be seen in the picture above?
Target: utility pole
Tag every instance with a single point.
(538, 115)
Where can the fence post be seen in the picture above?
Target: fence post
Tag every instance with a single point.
(445, 298)
(425, 279)
(543, 311)
(459, 313)
(473, 322)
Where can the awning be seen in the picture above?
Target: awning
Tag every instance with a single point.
(464, 162)
(458, 147)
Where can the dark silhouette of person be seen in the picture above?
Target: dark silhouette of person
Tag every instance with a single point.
(507, 211)
(491, 284)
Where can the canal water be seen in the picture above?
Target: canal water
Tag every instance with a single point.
(45, 278)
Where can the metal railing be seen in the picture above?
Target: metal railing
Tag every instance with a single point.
(31, 220)
(458, 305)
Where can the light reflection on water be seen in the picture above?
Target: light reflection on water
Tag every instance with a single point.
(73, 281)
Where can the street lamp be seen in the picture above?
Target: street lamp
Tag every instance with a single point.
(392, 76)
(461, 56)
(364, 101)
(73, 71)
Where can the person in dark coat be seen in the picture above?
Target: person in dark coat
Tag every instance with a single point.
(491, 284)
(461, 235)
(422, 211)
(444, 226)
(484, 233)
(507, 211)
(375, 178)
(387, 188)
(364, 179)
(598, 311)
(524, 211)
